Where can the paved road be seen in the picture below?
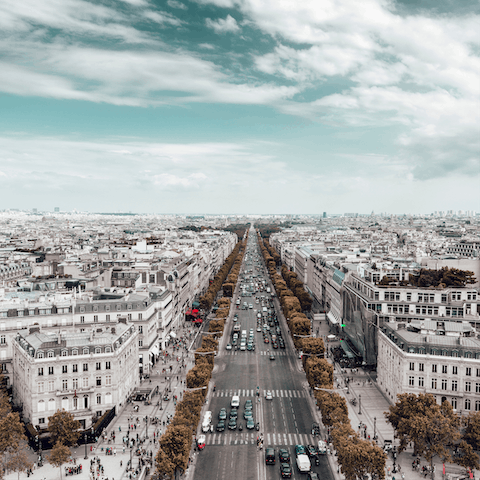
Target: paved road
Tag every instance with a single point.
(284, 421)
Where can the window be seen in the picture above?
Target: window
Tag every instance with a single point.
(477, 388)
(412, 366)
(98, 350)
(85, 350)
(51, 385)
(140, 328)
(434, 383)
(107, 318)
(41, 420)
(421, 367)
(444, 384)
(477, 405)
(41, 387)
(107, 365)
(64, 369)
(454, 385)
(95, 318)
(468, 386)
(51, 404)
(99, 381)
(64, 384)
(75, 403)
(75, 368)
(468, 372)
(444, 369)
(41, 406)
(85, 382)
(411, 381)
(454, 403)
(75, 383)
(98, 366)
(478, 372)
(140, 343)
(434, 368)
(40, 372)
(99, 399)
(40, 355)
(75, 352)
(467, 404)
(3, 339)
(129, 316)
(64, 353)
(85, 367)
(420, 381)
(82, 319)
(455, 370)
(139, 316)
(108, 380)
(51, 354)
(50, 370)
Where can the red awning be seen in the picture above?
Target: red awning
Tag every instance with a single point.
(198, 320)
(188, 312)
(195, 311)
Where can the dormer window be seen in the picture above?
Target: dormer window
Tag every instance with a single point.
(74, 351)
(98, 350)
(85, 351)
(64, 353)
(40, 355)
(51, 354)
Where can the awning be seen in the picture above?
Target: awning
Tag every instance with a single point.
(173, 334)
(154, 350)
(195, 304)
(332, 319)
(347, 351)
(188, 312)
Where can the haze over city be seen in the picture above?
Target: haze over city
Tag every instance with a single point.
(237, 106)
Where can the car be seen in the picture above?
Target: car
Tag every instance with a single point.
(250, 305)
(266, 340)
(232, 423)
(248, 414)
(274, 344)
(315, 429)
(233, 413)
(259, 329)
(201, 442)
(272, 356)
(283, 455)
(250, 347)
(270, 456)
(268, 395)
(250, 424)
(285, 470)
(235, 403)
(300, 450)
(311, 451)
(229, 346)
(248, 405)
(313, 476)
(222, 414)
(221, 426)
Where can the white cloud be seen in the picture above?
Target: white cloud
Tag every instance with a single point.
(175, 4)
(162, 18)
(229, 24)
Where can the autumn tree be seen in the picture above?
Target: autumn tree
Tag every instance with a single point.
(467, 458)
(176, 443)
(431, 427)
(198, 376)
(165, 468)
(59, 455)
(333, 408)
(17, 461)
(313, 346)
(360, 458)
(472, 430)
(64, 428)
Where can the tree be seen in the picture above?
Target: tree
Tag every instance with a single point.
(11, 432)
(64, 428)
(17, 460)
(431, 427)
(59, 455)
(472, 430)
(467, 459)
(165, 468)
(176, 443)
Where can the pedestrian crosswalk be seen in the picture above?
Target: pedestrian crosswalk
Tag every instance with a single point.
(250, 438)
(277, 353)
(252, 392)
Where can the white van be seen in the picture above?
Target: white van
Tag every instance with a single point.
(235, 403)
(207, 420)
(303, 463)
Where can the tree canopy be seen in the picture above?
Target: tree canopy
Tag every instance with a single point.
(64, 428)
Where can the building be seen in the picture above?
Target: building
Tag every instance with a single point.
(85, 373)
(441, 358)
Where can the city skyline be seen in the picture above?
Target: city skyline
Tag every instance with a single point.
(236, 106)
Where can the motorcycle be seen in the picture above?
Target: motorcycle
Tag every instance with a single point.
(257, 427)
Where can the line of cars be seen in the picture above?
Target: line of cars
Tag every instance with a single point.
(231, 421)
(304, 457)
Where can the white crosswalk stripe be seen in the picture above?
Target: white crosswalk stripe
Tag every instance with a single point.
(250, 393)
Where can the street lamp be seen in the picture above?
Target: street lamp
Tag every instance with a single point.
(359, 404)
(85, 438)
(374, 428)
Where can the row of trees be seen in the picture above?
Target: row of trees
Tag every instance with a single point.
(435, 430)
(445, 277)
(356, 457)
(175, 444)
(207, 300)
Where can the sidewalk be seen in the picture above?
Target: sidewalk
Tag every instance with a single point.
(115, 465)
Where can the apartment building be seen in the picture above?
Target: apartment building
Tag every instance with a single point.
(85, 373)
(441, 358)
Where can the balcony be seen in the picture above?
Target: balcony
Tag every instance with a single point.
(79, 391)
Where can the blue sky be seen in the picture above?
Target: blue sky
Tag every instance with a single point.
(240, 106)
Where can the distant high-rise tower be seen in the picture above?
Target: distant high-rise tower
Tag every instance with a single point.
(34, 210)
(324, 214)
(56, 209)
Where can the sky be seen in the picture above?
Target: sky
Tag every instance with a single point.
(240, 106)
